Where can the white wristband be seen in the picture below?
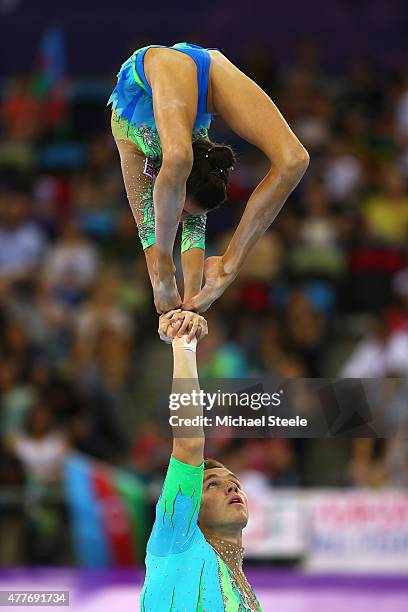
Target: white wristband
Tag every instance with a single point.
(184, 344)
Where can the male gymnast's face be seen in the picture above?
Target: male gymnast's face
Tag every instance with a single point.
(223, 501)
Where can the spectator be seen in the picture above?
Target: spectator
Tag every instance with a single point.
(386, 213)
(21, 111)
(22, 245)
(42, 448)
(380, 353)
(71, 265)
(304, 329)
(17, 398)
(343, 174)
(103, 335)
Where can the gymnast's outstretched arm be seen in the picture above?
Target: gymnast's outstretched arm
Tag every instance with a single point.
(251, 114)
(188, 442)
(173, 79)
(175, 528)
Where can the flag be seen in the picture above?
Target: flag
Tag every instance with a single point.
(49, 82)
(50, 63)
(107, 508)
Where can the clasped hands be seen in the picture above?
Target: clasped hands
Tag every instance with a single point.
(178, 323)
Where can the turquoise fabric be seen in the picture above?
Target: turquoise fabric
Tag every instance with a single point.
(132, 97)
(181, 566)
(183, 572)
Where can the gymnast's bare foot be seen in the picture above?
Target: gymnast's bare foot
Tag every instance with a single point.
(166, 295)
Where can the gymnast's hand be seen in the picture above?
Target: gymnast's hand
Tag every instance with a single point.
(182, 322)
(216, 282)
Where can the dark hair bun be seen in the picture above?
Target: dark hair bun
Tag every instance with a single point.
(209, 176)
(221, 157)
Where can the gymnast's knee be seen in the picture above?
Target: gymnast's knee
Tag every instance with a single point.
(178, 161)
(296, 161)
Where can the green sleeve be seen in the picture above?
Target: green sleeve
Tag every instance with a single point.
(175, 527)
(193, 235)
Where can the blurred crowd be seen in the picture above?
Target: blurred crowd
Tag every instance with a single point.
(323, 294)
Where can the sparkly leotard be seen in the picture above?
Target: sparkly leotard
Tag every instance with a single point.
(184, 571)
(133, 122)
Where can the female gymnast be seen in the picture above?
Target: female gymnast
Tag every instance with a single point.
(162, 107)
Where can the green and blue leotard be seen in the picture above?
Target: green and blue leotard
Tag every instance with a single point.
(133, 119)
